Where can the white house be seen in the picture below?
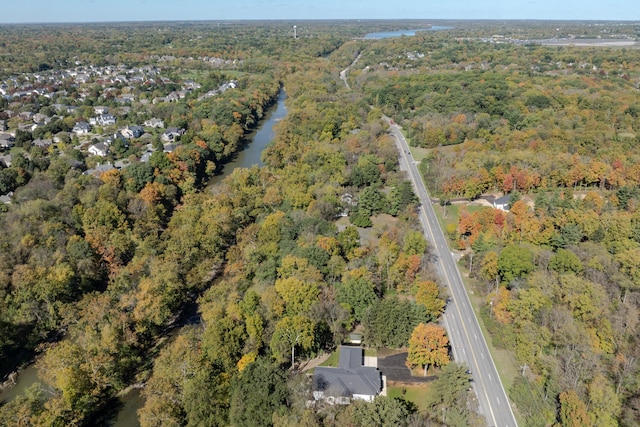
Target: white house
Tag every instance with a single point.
(103, 120)
(154, 123)
(503, 203)
(99, 149)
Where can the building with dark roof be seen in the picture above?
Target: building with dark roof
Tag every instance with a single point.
(350, 380)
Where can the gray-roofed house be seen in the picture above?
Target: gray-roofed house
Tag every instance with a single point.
(503, 203)
(171, 134)
(6, 140)
(6, 198)
(350, 380)
(81, 128)
(132, 131)
(6, 160)
(99, 169)
(42, 143)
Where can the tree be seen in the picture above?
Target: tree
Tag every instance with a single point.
(257, 394)
(450, 392)
(428, 294)
(289, 333)
(565, 261)
(514, 261)
(414, 243)
(489, 269)
(389, 322)
(349, 239)
(356, 294)
(298, 295)
(383, 411)
(573, 411)
(428, 345)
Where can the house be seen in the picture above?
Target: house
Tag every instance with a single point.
(40, 118)
(99, 149)
(6, 198)
(6, 160)
(132, 132)
(171, 134)
(81, 128)
(103, 120)
(122, 163)
(502, 203)
(26, 115)
(99, 170)
(3, 125)
(42, 143)
(146, 156)
(100, 110)
(350, 380)
(154, 123)
(6, 140)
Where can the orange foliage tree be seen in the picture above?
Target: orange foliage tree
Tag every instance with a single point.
(428, 345)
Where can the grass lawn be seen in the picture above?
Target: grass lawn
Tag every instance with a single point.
(416, 394)
(332, 360)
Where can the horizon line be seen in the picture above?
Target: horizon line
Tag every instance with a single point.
(630, 21)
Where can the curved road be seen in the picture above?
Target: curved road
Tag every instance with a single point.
(467, 341)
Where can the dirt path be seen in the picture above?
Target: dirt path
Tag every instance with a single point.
(310, 364)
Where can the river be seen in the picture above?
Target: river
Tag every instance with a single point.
(248, 156)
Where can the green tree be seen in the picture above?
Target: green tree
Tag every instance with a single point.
(565, 261)
(257, 394)
(390, 322)
(383, 411)
(356, 294)
(414, 243)
(514, 262)
(450, 391)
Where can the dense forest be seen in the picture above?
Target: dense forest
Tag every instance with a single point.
(557, 129)
(211, 298)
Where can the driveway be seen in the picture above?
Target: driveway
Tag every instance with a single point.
(395, 369)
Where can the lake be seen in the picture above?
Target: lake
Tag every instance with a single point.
(400, 33)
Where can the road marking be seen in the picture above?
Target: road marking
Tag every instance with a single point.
(426, 218)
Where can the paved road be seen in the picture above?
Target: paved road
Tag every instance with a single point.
(467, 341)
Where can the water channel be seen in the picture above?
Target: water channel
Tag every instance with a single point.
(248, 156)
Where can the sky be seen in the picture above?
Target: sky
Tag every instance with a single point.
(41, 11)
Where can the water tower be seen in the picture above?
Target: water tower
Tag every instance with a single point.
(295, 31)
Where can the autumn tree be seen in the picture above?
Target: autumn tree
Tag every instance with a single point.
(573, 411)
(427, 293)
(428, 345)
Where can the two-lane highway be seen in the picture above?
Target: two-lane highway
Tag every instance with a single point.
(467, 342)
